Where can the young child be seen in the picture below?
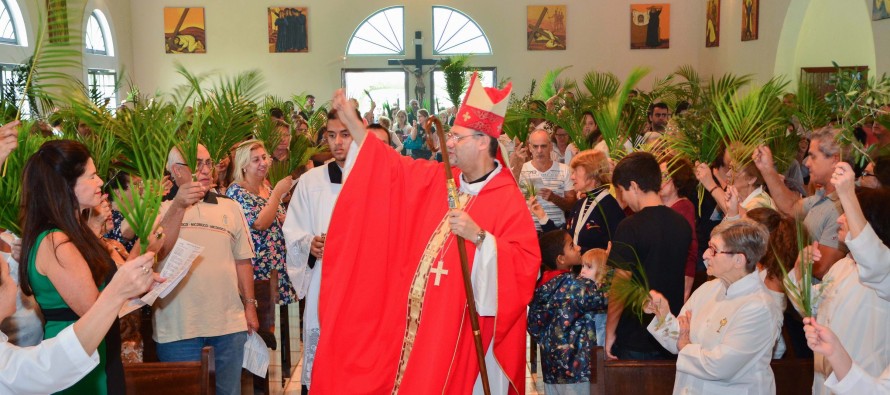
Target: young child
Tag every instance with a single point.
(560, 317)
(594, 267)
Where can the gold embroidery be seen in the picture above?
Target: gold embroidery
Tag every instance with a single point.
(418, 290)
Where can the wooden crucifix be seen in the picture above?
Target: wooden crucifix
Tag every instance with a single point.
(418, 62)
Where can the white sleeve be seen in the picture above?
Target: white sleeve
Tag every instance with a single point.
(298, 238)
(484, 277)
(53, 365)
(666, 332)
(871, 257)
(858, 382)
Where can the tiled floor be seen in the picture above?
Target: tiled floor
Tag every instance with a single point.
(533, 383)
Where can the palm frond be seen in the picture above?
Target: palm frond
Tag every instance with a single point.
(609, 117)
(630, 286)
(601, 87)
(749, 121)
(29, 141)
(811, 109)
(266, 130)
(301, 151)
(550, 84)
(456, 72)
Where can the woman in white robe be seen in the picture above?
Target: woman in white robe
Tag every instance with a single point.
(725, 333)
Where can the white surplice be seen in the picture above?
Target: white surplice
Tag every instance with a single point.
(873, 263)
(855, 312)
(308, 216)
(732, 333)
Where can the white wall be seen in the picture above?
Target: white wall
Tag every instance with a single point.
(598, 38)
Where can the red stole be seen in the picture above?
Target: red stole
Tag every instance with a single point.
(384, 216)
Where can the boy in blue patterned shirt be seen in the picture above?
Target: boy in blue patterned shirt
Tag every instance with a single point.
(560, 316)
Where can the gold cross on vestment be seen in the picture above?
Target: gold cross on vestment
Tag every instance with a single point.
(439, 272)
(467, 116)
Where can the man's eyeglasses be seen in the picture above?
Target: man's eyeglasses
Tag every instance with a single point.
(456, 138)
(200, 164)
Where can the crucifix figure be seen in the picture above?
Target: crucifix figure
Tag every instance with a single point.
(418, 62)
(439, 272)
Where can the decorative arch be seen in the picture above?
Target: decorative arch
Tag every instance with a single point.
(454, 32)
(12, 25)
(97, 38)
(381, 33)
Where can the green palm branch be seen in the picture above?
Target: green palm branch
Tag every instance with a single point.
(854, 100)
(301, 151)
(316, 123)
(601, 87)
(103, 144)
(456, 71)
(29, 141)
(751, 120)
(811, 109)
(267, 131)
(272, 101)
(148, 133)
(630, 286)
(609, 117)
(57, 51)
(551, 84)
(516, 123)
(801, 294)
(229, 112)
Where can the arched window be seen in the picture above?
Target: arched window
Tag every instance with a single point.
(456, 33)
(382, 33)
(98, 39)
(11, 24)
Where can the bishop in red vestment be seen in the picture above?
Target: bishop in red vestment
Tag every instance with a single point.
(392, 306)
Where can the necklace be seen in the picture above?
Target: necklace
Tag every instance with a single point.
(438, 270)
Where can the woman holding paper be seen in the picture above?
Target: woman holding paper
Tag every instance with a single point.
(65, 266)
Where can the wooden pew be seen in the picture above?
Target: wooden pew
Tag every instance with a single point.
(793, 376)
(150, 378)
(266, 294)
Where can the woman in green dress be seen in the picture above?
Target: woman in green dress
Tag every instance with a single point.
(67, 266)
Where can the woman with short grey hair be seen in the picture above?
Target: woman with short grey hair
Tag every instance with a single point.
(725, 332)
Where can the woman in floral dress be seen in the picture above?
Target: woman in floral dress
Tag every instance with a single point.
(264, 212)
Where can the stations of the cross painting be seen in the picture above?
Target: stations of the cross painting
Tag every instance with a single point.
(418, 62)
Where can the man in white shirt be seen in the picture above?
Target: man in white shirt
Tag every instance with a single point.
(551, 179)
(304, 229)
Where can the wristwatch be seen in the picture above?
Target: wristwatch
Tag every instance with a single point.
(251, 301)
(480, 237)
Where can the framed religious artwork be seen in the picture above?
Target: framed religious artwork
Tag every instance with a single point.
(650, 26)
(879, 9)
(288, 29)
(546, 28)
(712, 24)
(184, 30)
(750, 19)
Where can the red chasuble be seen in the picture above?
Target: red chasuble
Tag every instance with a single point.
(385, 215)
